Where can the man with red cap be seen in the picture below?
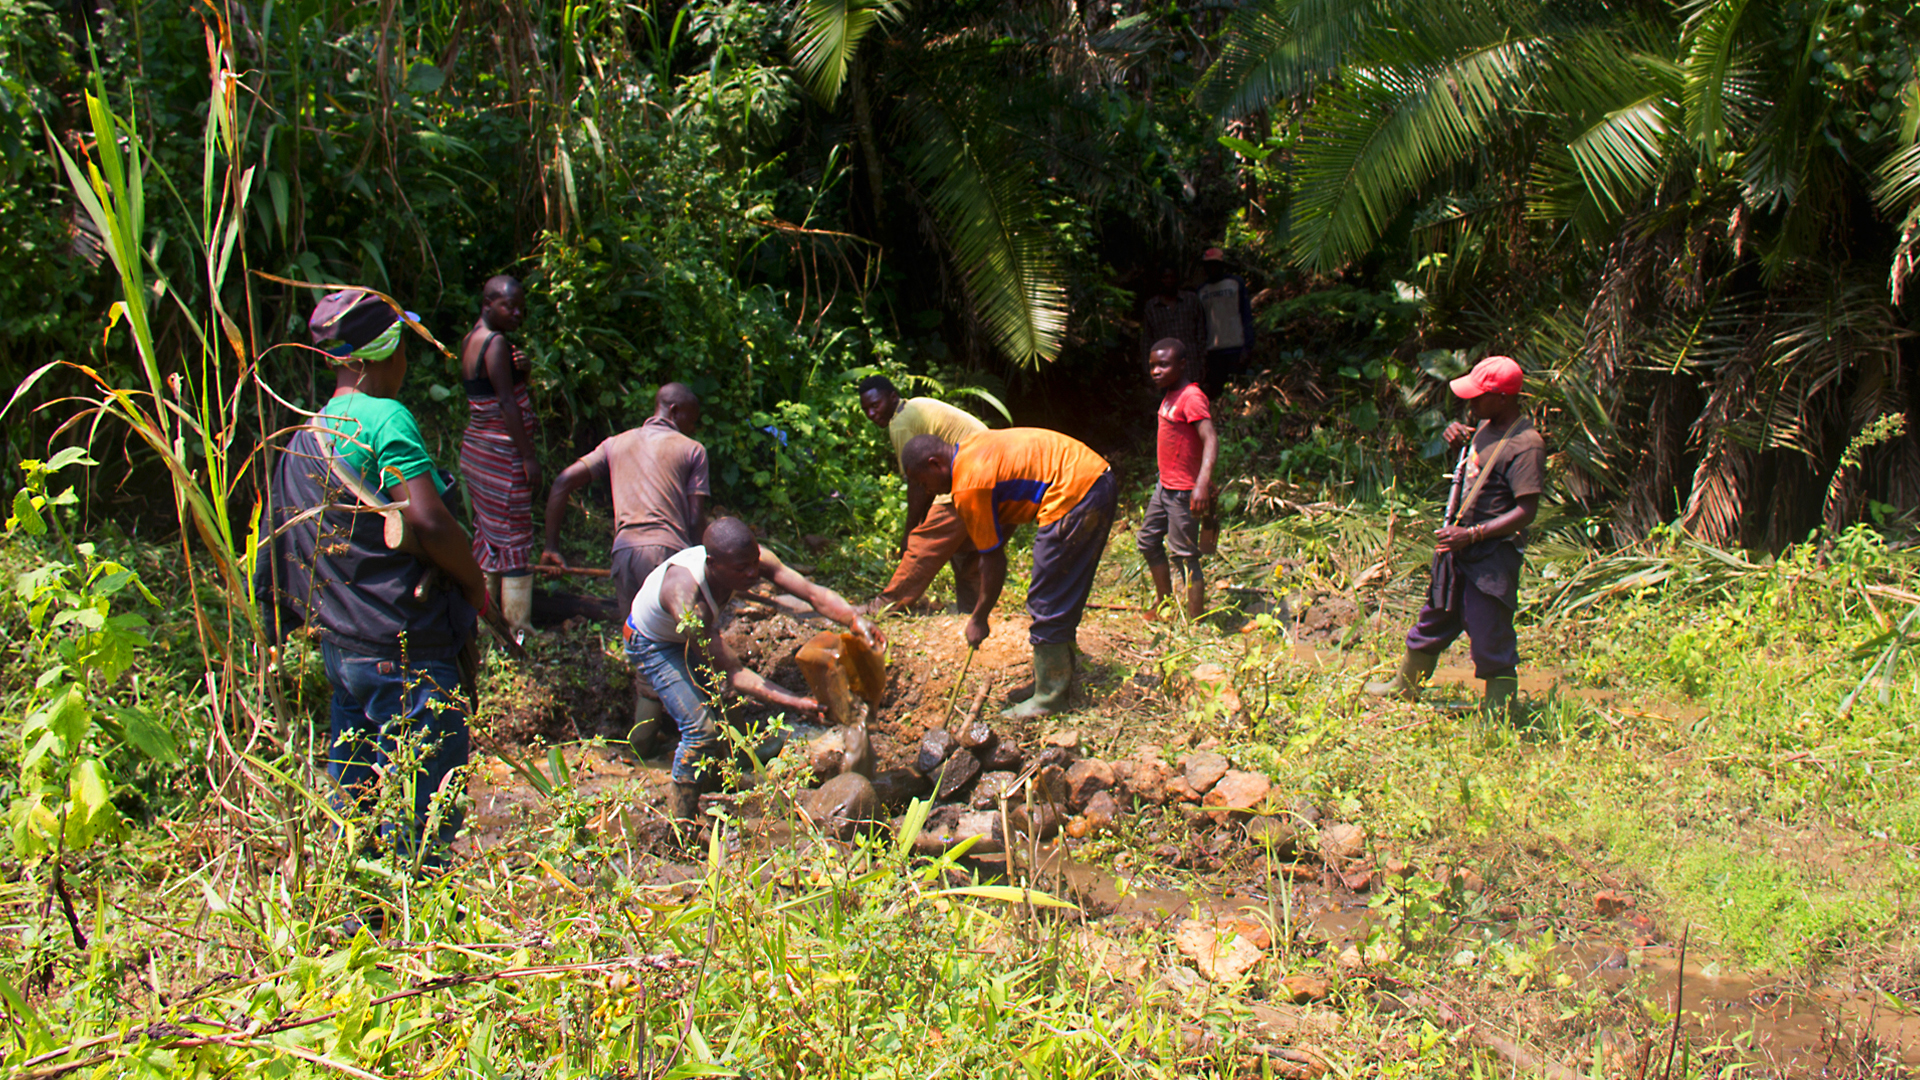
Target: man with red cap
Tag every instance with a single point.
(1476, 562)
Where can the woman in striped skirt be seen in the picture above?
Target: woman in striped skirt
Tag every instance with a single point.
(497, 457)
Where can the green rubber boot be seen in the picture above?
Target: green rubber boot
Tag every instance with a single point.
(1502, 694)
(1415, 668)
(648, 718)
(1052, 682)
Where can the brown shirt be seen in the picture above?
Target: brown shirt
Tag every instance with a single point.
(656, 472)
(1519, 470)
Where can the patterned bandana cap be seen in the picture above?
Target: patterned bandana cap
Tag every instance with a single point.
(355, 325)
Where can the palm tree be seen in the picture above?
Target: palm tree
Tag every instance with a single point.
(1677, 197)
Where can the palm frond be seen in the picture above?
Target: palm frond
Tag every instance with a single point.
(985, 195)
(827, 33)
(1377, 138)
(1714, 75)
(1278, 49)
(1898, 189)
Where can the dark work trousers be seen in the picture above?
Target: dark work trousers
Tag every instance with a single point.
(1065, 556)
(1222, 364)
(1478, 597)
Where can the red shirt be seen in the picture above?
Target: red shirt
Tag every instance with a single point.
(1181, 411)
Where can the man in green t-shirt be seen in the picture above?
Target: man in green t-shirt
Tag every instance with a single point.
(934, 536)
(390, 638)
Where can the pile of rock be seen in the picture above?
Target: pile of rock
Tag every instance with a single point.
(985, 785)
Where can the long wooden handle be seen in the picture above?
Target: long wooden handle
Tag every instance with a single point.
(576, 571)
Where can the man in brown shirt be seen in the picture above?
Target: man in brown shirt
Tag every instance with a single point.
(1475, 583)
(660, 489)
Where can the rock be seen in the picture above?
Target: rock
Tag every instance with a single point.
(1615, 960)
(1178, 790)
(859, 750)
(1203, 770)
(983, 825)
(1275, 832)
(1065, 739)
(1055, 756)
(988, 791)
(1349, 959)
(1038, 821)
(1003, 756)
(1610, 902)
(1359, 879)
(936, 747)
(958, 771)
(1102, 811)
(895, 788)
(1147, 776)
(1085, 778)
(1303, 989)
(1214, 685)
(937, 834)
(1122, 773)
(1342, 843)
(1253, 930)
(1304, 810)
(841, 805)
(1216, 948)
(1394, 866)
(978, 737)
(1050, 786)
(826, 754)
(1235, 794)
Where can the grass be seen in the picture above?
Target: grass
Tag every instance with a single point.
(1692, 755)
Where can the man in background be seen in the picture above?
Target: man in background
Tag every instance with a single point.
(934, 536)
(1229, 322)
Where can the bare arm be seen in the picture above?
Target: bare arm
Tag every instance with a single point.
(820, 598)
(444, 543)
(571, 479)
(1209, 453)
(993, 578)
(498, 361)
(919, 502)
(1456, 538)
(679, 595)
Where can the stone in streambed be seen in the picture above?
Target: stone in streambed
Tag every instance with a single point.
(826, 753)
(936, 747)
(959, 770)
(978, 737)
(1003, 756)
(1342, 843)
(1087, 778)
(1038, 821)
(1203, 770)
(895, 788)
(1275, 831)
(1235, 794)
(841, 805)
(992, 787)
(1147, 776)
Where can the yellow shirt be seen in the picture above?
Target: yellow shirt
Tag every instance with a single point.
(1002, 479)
(925, 416)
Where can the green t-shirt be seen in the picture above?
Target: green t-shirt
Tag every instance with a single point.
(379, 439)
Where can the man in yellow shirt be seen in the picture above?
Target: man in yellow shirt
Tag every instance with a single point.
(1001, 480)
(934, 535)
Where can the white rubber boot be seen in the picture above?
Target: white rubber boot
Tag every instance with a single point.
(516, 602)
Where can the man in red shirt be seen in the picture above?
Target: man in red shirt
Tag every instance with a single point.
(1188, 447)
(999, 481)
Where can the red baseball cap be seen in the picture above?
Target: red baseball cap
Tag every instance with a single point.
(1494, 375)
(1213, 255)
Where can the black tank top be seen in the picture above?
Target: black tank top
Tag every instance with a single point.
(482, 386)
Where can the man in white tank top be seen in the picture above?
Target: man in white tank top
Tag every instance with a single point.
(673, 630)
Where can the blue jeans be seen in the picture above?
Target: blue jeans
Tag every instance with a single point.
(377, 703)
(664, 663)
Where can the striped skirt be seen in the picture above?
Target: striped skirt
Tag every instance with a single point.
(502, 498)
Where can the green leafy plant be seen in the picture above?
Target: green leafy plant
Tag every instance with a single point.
(70, 728)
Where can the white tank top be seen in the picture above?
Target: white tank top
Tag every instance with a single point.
(649, 618)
